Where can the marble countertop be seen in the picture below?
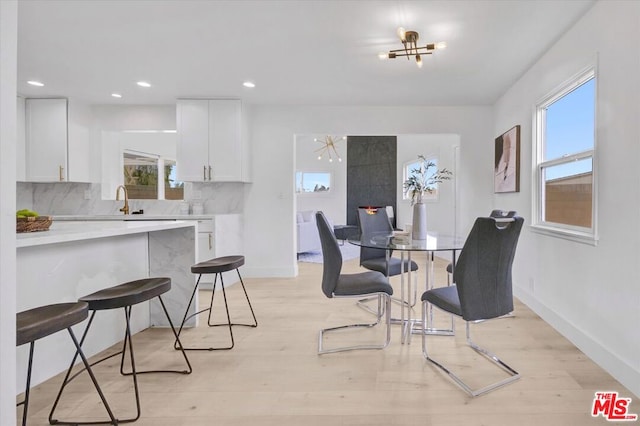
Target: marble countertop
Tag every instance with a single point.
(132, 217)
(67, 231)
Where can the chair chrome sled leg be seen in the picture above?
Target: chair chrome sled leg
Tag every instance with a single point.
(513, 374)
(384, 309)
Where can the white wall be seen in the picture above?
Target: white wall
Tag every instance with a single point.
(113, 144)
(8, 117)
(590, 294)
(126, 117)
(270, 203)
(160, 144)
(21, 142)
(79, 141)
(333, 203)
(441, 214)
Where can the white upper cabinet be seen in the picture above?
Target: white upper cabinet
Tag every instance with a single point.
(56, 147)
(210, 144)
(225, 144)
(46, 140)
(193, 140)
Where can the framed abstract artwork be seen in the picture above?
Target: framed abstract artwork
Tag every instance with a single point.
(507, 161)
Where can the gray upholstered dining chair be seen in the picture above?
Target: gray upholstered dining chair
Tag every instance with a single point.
(494, 213)
(482, 288)
(372, 221)
(338, 285)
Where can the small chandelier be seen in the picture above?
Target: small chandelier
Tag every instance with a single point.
(329, 146)
(410, 41)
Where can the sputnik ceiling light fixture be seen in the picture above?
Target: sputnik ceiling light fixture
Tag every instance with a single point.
(329, 145)
(409, 40)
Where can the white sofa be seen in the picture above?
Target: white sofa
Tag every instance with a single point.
(307, 232)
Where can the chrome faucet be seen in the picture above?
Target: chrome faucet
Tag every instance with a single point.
(125, 208)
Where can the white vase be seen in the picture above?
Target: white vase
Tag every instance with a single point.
(419, 226)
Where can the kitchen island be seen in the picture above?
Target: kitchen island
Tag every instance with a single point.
(74, 259)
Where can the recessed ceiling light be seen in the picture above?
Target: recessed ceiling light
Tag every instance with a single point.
(35, 83)
(249, 84)
(143, 84)
(116, 95)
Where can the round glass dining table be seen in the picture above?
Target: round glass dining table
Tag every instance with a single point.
(403, 243)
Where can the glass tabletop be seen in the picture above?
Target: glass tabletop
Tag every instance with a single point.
(398, 241)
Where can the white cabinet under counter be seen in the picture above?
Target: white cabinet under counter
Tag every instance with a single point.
(74, 259)
(206, 247)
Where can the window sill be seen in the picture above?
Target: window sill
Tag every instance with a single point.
(566, 234)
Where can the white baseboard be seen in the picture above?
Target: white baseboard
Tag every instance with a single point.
(610, 362)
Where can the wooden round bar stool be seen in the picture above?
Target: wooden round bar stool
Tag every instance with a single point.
(124, 296)
(217, 266)
(43, 321)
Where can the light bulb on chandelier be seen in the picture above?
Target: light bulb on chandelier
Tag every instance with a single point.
(402, 34)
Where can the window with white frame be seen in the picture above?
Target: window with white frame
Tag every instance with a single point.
(150, 176)
(411, 168)
(313, 182)
(565, 177)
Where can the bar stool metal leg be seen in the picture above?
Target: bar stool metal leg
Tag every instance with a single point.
(87, 367)
(68, 378)
(217, 266)
(226, 307)
(187, 317)
(210, 309)
(28, 386)
(134, 373)
(255, 321)
(228, 324)
(175, 334)
(36, 323)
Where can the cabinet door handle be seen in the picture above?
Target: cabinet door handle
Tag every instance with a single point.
(210, 241)
(204, 172)
(61, 173)
(209, 172)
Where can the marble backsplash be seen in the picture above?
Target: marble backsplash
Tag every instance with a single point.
(63, 198)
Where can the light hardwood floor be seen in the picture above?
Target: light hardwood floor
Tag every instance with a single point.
(273, 376)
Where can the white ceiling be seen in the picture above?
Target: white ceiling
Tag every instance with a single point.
(296, 52)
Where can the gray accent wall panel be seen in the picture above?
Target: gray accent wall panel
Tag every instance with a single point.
(371, 173)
